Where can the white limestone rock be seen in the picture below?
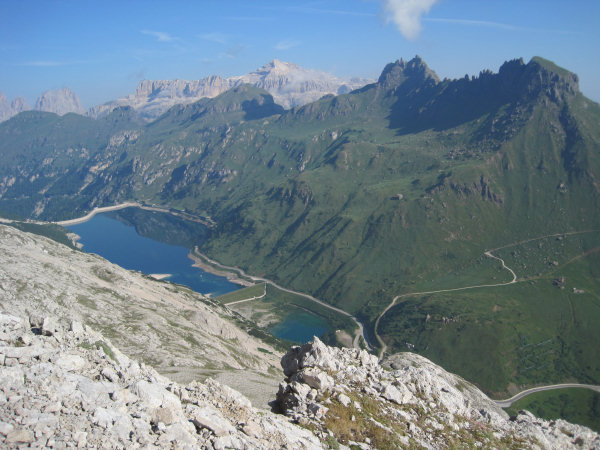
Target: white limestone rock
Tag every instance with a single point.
(79, 396)
(40, 278)
(430, 407)
(51, 326)
(211, 418)
(59, 101)
(9, 109)
(400, 397)
(316, 379)
(71, 363)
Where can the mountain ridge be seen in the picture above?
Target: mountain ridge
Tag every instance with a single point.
(59, 101)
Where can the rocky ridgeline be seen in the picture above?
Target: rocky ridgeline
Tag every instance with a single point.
(69, 386)
(11, 108)
(348, 396)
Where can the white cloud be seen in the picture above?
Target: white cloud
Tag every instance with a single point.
(286, 44)
(218, 38)
(233, 52)
(499, 25)
(479, 23)
(406, 14)
(160, 36)
(43, 63)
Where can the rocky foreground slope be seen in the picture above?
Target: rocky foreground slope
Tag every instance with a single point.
(69, 386)
(64, 386)
(407, 401)
(180, 333)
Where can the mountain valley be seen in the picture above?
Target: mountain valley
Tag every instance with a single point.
(398, 187)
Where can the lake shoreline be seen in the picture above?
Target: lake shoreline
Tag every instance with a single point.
(92, 213)
(160, 276)
(98, 210)
(231, 276)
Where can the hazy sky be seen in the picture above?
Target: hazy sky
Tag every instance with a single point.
(102, 50)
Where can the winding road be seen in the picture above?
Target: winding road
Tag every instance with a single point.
(208, 222)
(489, 254)
(502, 403)
(395, 299)
(383, 345)
(235, 302)
(509, 401)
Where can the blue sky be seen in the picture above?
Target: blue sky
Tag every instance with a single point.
(102, 50)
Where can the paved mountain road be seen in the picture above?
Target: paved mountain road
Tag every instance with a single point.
(395, 299)
(509, 401)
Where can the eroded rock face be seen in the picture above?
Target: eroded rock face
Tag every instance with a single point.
(74, 388)
(406, 401)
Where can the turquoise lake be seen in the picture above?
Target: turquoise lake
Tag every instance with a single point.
(120, 243)
(300, 327)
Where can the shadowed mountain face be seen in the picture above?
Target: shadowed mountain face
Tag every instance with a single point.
(395, 188)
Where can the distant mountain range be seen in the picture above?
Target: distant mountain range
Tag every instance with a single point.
(289, 84)
(59, 101)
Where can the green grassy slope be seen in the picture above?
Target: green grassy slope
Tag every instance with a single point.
(541, 329)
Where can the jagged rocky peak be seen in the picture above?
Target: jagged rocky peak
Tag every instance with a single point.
(278, 67)
(9, 109)
(59, 101)
(551, 79)
(207, 87)
(397, 72)
(19, 104)
(538, 77)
